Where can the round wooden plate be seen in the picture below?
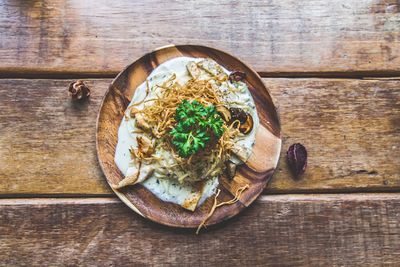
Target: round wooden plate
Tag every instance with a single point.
(256, 172)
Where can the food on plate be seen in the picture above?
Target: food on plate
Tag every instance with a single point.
(191, 122)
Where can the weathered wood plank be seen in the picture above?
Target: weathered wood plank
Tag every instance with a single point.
(287, 230)
(351, 129)
(276, 37)
(47, 142)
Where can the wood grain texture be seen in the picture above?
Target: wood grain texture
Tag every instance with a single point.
(350, 128)
(289, 230)
(255, 173)
(275, 37)
(47, 142)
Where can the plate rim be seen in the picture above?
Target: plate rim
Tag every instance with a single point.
(122, 196)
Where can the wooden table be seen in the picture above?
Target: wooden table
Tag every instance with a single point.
(331, 68)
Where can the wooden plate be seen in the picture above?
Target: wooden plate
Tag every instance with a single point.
(256, 172)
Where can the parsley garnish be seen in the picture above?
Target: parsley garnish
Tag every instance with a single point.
(195, 126)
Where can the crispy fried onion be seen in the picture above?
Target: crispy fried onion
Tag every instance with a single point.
(158, 116)
(238, 194)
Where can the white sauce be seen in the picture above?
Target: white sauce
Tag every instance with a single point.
(166, 189)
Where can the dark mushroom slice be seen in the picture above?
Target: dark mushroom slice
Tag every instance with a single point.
(247, 126)
(224, 113)
(237, 76)
(238, 114)
(245, 120)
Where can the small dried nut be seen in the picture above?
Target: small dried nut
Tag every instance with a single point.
(297, 159)
(238, 114)
(247, 126)
(78, 90)
(237, 76)
(224, 112)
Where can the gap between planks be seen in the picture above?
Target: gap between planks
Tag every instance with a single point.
(262, 199)
(265, 193)
(50, 74)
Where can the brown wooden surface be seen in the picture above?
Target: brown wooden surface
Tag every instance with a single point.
(349, 126)
(351, 129)
(287, 230)
(350, 37)
(255, 173)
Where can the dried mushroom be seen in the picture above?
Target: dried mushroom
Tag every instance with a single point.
(238, 114)
(225, 113)
(245, 120)
(237, 76)
(247, 126)
(130, 178)
(145, 172)
(135, 175)
(78, 90)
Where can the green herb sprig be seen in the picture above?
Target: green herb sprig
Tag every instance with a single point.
(196, 125)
